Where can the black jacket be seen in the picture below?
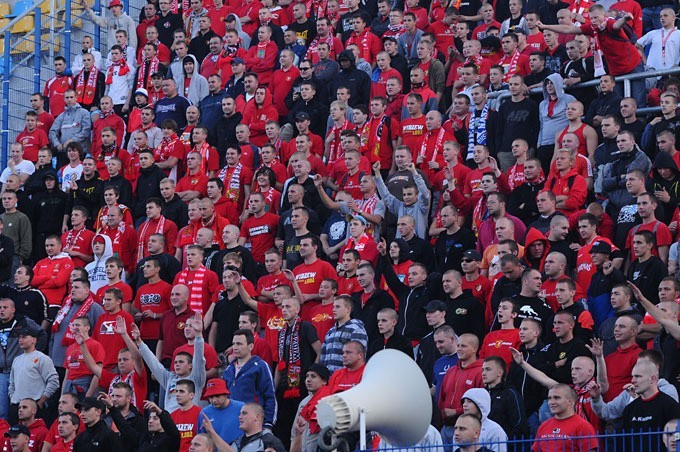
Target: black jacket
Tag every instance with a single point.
(6, 257)
(533, 393)
(50, 207)
(317, 111)
(89, 195)
(664, 160)
(148, 186)
(427, 355)
(449, 249)
(97, 438)
(176, 210)
(147, 441)
(170, 266)
(227, 134)
(125, 188)
(603, 105)
(558, 351)
(28, 301)
(358, 82)
(368, 313)
(412, 301)
(396, 342)
(465, 314)
(507, 408)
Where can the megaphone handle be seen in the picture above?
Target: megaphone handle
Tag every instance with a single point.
(338, 443)
(362, 429)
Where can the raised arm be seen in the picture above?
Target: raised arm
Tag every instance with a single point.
(670, 325)
(121, 329)
(531, 371)
(564, 29)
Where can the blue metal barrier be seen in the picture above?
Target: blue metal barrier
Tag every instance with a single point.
(97, 29)
(616, 442)
(37, 38)
(67, 34)
(5, 101)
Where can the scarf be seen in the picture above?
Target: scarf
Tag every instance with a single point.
(437, 145)
(479, 214)
(375, 153)
(195, 287)
(72, 238)
(368, 206)
(233, 188)
(313, 47)
(142, 235)
(363, 42)
(512, 67)
(598, 62)
(85, 90)
(112, 151)
(69, 338)
(477, 130)
(293, 361)
(204, 150)
(262, 49)
(308, 413)
(164, 149)
(146, 69)
(335, 148)
(123, 69)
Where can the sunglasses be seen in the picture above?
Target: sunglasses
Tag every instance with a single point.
(467, 260)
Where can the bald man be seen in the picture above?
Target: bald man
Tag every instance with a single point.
(619, 363)
(430, 156)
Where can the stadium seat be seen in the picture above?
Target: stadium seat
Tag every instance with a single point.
(24, 46)
(4, 9)
(48, 44)
(4, 22)
(24, 25)
(20, 7)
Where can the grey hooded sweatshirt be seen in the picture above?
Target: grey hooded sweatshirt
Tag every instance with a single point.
(551, 125)
(96, 270)
(492, 434)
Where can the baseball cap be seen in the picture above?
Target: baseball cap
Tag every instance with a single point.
(215, 387)
(90, 402)
(435, 305)
(473, 254)
(28, 331)
(389, 38)
(238, 60)
(143, 92)
(113, 3)
(18, 429)
(358, 217)
(302, 116)
(98, 239)
(601, 247)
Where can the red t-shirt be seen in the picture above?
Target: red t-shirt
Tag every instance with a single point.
(321, 316)
(137, 381)
(74, 358)
(32, 142)
(272, 321)
(197, 182)
(585, 269)
(309, 277)
(270, 282)
(172, 331)
(412, 130)
(187, 424)
(54, 438)
(498, 343)
(62, 446)
(621, 56)
(261, 233)
(80, 242)
(620, 369)
(104, 332)
(535, 43)
(126, 289)
(558, 435)
(348, 286)
(661, 233)
(344, 379)
(211, 359)
(155, 298)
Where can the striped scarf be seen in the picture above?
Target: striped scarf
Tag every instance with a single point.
(195, 287)
(477, 130)
(292, 364)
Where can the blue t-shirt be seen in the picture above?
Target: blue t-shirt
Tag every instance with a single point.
(441, 366)
(224, 420)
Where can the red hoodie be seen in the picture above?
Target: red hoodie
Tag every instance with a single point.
(456, 381)
(572, 185)
(281, 84)
(112, 120)
(51, 276)
(261, 59)
(534, 235)
(38, 431)
(256, 116)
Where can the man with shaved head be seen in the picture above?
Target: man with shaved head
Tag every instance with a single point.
(430, 155)
(465, 375)
(171, 332)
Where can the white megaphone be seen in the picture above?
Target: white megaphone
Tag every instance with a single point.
(393, 396)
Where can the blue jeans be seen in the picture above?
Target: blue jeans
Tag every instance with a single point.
(638, 89)
(650, 18)
(4, 395)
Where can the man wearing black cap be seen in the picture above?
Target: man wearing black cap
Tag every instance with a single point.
(427, 354)
(310, 104)
(602, 282)
(97, 435)
(33, 375)
(19, 438)
(449, 247)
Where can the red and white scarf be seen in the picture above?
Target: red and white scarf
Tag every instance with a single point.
(335, 148)
(368, 206)
(72, 237)
(358, 245)
(195, 287)
(86, 89)
(69, 338)
(438, 144)
(512, 66)
(363, 42)
(164, 150)
(123, 69)
(142, 235)
(146, 70)
(233, 185)
(374, 154)
(262, 49)
(204, 150)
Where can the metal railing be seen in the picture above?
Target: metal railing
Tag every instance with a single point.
(615, 442)
(502, 96)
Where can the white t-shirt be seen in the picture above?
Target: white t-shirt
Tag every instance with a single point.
(656, 58)
(70, 173)
(25, 167)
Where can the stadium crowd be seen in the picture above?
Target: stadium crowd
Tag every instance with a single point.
(217, 219)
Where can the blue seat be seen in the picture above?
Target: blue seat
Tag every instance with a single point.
(20, 7)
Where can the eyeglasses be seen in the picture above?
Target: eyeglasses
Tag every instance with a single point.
(467, 260)
(305, 68)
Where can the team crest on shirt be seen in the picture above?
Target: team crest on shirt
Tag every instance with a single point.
(556, 431)
(461, 311)
(180, 325)
(563, 355)
(498, 344)
(478, 288)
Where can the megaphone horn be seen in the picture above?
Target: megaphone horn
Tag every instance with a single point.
(394, 396)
